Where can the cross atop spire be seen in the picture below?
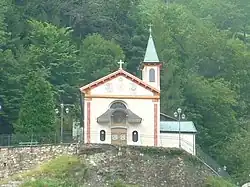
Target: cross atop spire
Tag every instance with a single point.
(120, 63)
(150, 28)
(151, 54)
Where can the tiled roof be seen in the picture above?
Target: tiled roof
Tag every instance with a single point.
(151, 54)
(173, 126)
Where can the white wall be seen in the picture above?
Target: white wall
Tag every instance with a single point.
(145, 76)
(121, 86)
(144, 108)
(172, 140)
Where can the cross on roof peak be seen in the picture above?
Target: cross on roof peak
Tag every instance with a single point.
(150, 27)
(120, 63)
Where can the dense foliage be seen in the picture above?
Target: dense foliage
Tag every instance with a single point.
(204, 44)
(37, 114)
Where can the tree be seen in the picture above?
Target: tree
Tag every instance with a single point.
(37, 112)
(4, 7)
(99, 56)
(9, 84)
(210, 105)
(204, 44)
(53, 51)
(236, 155)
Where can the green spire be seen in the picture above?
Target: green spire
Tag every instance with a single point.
(151, 54)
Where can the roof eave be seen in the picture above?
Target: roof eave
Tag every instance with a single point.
(119, 72)
(142, 64)
(186, 132)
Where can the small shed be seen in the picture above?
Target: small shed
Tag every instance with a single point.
(178, 134)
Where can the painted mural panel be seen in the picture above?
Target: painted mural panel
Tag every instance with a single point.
(121, 86)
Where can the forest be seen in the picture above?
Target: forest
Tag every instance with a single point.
(50, 48)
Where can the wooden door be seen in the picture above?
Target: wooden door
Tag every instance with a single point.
(119, 136)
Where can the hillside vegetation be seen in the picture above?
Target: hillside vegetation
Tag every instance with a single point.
(125, 167)
(50, 48)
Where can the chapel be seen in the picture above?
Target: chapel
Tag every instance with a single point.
(123, 109)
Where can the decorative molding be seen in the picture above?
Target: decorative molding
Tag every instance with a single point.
(148, 64)
(123, 96)
(88, 99)
(88, 121)
(115, 74)
(155, 124)
(118, 127)
(155, 100)
(158, 76)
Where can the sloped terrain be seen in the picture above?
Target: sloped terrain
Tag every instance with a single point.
(146, 167)
(124, 166)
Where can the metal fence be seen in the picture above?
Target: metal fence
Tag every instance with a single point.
(221, 171)
(23, 139)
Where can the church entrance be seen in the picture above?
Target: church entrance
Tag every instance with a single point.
(119, 136)
(119, 128)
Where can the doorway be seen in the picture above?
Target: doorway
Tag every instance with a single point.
(119, 136)
(119, 128)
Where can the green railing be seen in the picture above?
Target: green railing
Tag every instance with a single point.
(35, 139)
(220, 170)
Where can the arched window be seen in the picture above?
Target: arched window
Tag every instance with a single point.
(118, 104)
(119, 117)
(135, 136)
(102, 135)
(152, 75)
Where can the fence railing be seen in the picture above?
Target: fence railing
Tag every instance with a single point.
(221, 171)
(22, 139)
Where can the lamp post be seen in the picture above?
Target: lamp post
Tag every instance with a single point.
(225, 168)
(62, 105)
(179, 115)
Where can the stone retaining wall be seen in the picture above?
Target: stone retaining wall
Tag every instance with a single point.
(18, 159)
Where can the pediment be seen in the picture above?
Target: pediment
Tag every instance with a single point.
(121, 85)
(120, 82)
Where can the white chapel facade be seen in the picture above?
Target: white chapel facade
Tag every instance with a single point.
(122, 109)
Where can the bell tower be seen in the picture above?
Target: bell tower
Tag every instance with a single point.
(151, 65)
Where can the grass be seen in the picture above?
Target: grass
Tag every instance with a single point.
(58, 172)
(42, 183)
(217, 182)
(60, 166)
(120, 184)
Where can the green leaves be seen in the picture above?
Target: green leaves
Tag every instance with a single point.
(53, 51)
(204, 46)
(37, 114)
(214, 101)
(238, 161)
(4, 6)
(99, 57)
(206, 71)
